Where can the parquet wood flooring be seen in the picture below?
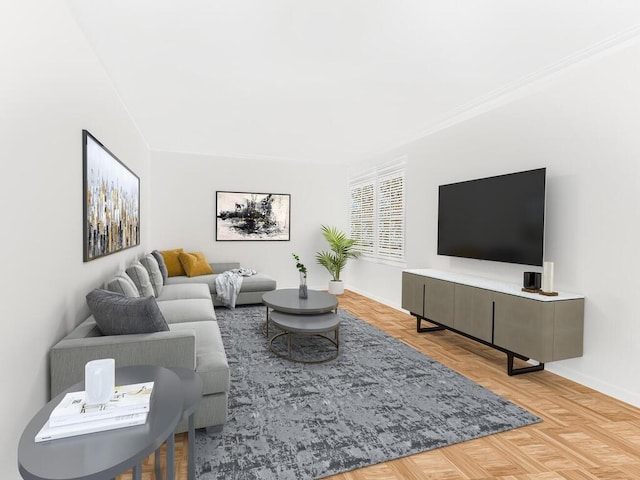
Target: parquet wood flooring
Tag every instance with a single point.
(584, 435)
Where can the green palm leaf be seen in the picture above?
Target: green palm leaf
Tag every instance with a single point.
(342, 249)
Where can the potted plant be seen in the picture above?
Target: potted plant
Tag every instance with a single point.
(342, 249)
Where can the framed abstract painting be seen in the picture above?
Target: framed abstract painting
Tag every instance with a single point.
(111, 194)
(252, 216)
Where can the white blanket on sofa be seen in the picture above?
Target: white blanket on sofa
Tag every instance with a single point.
(228, 285)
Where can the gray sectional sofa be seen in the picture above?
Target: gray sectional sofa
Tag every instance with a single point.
(192, 340)
(253, 287)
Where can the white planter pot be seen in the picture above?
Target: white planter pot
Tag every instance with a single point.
(336, 287)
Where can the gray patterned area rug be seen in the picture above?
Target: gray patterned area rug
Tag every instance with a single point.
(379, 400)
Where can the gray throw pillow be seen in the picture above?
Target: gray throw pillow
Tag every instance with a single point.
(116, 314)
(123, 285)
(163, 267)
(155, 275)
(140, 277)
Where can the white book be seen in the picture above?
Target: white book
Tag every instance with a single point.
(47, 432)
(127, 399)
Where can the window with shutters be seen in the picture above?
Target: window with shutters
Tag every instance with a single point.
(377, 213)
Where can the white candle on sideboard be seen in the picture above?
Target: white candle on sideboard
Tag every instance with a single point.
(547, 277)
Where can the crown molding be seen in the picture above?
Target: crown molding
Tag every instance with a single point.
(522, 87)
(245, 156)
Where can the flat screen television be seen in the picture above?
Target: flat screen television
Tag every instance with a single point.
(498, 218)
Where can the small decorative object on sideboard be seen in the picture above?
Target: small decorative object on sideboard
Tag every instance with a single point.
(532, 282)
(547, 280)
(302, 289)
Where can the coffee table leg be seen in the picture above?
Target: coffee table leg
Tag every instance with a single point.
(289, 343)
(136, 472)
(156, 464)
(191, 438)
(171, 447)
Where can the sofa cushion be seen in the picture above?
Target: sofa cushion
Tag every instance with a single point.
(255, 283)
(195, 264)
(155, 275)
(184, 290)
(163, 268)
(258, 283)
(211, 360)
(174, 267)
(140, 277)
(116, 314)
(187, 310)
(123, 285)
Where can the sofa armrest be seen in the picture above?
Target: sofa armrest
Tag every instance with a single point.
(166, 349)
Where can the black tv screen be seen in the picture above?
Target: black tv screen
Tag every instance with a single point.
(497, 218)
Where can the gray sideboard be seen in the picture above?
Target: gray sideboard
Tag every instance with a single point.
(521, 324)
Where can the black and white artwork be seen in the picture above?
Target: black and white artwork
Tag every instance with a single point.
(252, 216)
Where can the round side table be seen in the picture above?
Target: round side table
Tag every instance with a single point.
(104, 455)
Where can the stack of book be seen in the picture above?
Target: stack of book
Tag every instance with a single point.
(129, 406)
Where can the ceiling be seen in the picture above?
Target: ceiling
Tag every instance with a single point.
(328, 80)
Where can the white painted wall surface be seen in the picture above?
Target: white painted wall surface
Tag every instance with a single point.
(183, 210)
(582, 126)
(52, 86)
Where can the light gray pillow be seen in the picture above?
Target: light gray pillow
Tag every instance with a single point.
(116, 314)
(155, 275)
(123, 285)
(163, 267)
(140, 277)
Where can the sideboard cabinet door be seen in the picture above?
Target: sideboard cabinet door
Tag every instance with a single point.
(474, 312)
(438, 301)
(413, 293)
(524, 326)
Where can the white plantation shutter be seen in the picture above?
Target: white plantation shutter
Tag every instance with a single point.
(377, 213)
(391, 216)
(362, 224)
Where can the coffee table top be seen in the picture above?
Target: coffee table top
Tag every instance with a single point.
(287, 300)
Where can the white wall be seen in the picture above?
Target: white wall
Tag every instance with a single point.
(183, 213)
(582, 126)
(52, 86)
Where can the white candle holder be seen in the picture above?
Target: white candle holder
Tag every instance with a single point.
(547, 279)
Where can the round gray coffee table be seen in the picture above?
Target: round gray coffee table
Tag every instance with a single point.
(103, 455)
(316, 325)
(286, 300)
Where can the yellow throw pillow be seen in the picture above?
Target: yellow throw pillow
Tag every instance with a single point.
(171, 260)
(195, 263)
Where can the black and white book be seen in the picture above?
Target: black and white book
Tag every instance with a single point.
(47, 432)
(127, 399)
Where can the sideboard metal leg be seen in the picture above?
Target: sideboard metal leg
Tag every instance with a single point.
(421, 329)
(518, 371)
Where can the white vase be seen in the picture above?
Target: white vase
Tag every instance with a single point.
(336, 287)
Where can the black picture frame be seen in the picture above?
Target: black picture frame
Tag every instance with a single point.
(251, 216)
(111, 201)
